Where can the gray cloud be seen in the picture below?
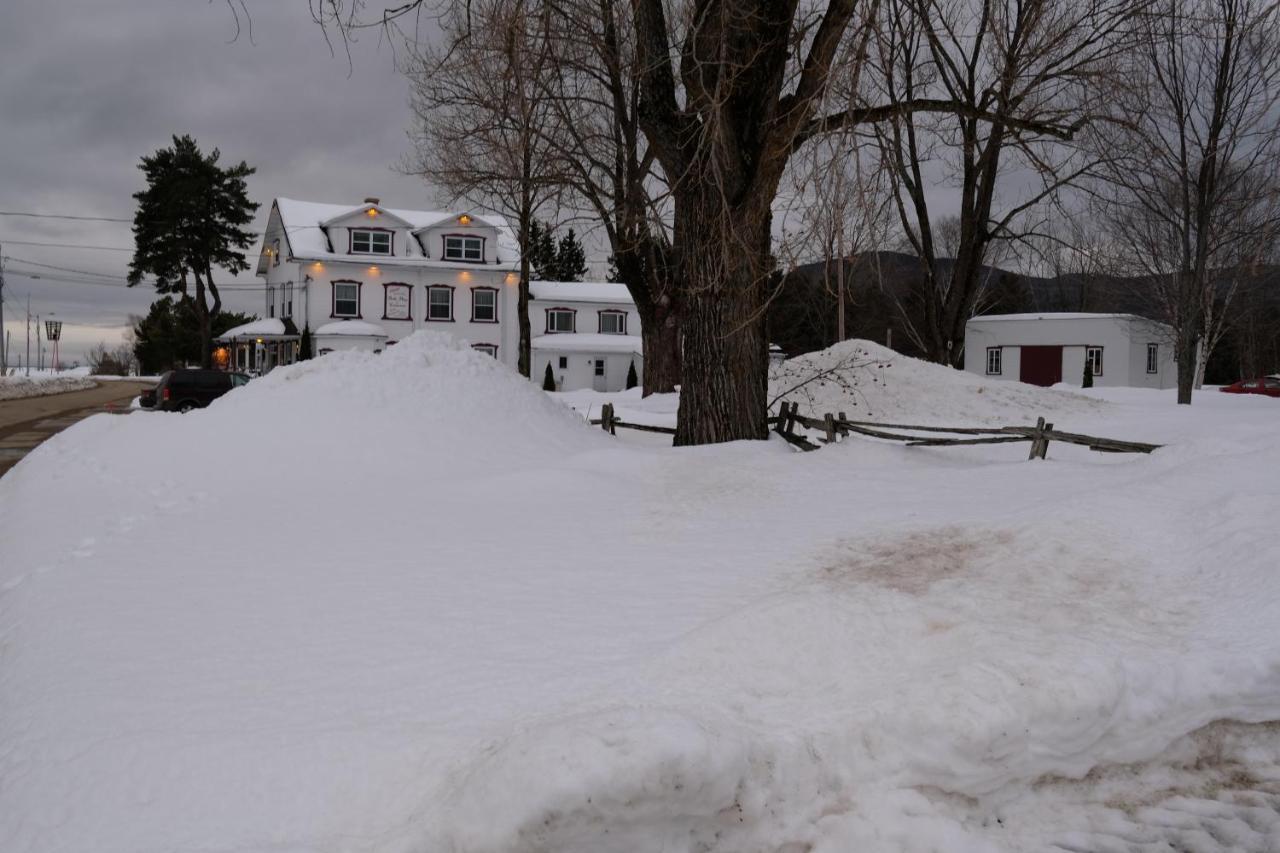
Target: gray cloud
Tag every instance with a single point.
(89, 86)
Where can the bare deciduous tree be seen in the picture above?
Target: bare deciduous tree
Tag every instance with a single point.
(482, 120)
(1194, 197)
(1023, 78)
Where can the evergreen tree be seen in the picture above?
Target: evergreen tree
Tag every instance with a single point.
(1088, 374)
(304, 345)
(632, 379)
(571, 260)
(548, 379)
(542, 252)
(191, 218)
(169, 336)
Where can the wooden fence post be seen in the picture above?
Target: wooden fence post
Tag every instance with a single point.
(606, 419)
(1044, 442)
(844, 430)
(1036, 439)
(829, 423)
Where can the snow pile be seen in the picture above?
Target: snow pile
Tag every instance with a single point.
(408, 602)
(868, 381)
(39, 385)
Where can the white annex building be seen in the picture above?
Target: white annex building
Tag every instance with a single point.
(364, 276)
(1044, 349)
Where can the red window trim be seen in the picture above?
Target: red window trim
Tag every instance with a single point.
(600, 320)
(492, 290)
(573, 311)
(333, 299)
(426, 316)
(484, 248)
(385, 288)
(351, 239)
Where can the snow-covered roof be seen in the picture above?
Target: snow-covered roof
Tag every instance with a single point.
(1055, 315)
(256, 329)
(360, 328)
(580, 291)
(588, 343)
(304, 222)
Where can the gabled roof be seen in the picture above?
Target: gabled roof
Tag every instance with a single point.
(1055, 315)
(480, 219)
(363, 210)
(304, 223)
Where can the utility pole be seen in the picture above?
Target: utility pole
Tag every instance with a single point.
(4, 347)
(39, 346)
(28, 334)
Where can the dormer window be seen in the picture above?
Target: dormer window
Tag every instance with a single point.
(458, 247)
(367, 241)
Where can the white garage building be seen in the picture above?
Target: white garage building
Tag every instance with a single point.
(1125, 350)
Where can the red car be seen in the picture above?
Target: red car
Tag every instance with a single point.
(1269, 385)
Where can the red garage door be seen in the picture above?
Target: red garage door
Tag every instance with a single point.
(1041, 365)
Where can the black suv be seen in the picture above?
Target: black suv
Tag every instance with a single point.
(184, 390)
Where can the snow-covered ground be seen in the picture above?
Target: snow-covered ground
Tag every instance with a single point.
(408, 602)
(39, 384)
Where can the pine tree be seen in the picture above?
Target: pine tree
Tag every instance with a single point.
(632, 379)
(542, 252)
(169, 336)
(548, 379)
(304, 345)
(191, 218)
(571, 260)
(1088, 374)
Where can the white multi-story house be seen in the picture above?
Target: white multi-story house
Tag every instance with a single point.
(365, 276)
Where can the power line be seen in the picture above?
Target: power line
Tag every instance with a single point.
(63, 216)
(141, 286)
(67, 246)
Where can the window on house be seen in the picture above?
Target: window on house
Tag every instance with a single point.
(368, 242)
(599, 367)
(286, 301)
(1093, 358)
(275, 253)
(271, 301)
(439, 302)
(459, 248)
(1153, 358)
(613, 323)
(560, 320)
(346, 299)
(995, 358)
(484, 305)
(564, 362)
(487, 349)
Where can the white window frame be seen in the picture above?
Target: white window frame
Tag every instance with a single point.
(271, 301)
(573, 321)
(492, 293)
(619, 316)
(336, 299)
(1153, 358)
(464, 247)
(286, 300)
(995, 359)
(431, 290)
(373, 239)
(487, 349)
(598, 367)
(1092, 361)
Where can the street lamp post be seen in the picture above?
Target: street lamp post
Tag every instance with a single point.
(53, 332)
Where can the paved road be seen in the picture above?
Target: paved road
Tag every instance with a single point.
(26, 422)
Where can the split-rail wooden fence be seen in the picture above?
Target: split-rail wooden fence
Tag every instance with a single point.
(836, 426)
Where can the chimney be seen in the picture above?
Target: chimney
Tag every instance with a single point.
(371, 200)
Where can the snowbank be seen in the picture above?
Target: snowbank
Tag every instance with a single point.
(871, 382)
(408, 602)
(39, 385)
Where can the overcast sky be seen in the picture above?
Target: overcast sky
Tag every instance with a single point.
(89, 86)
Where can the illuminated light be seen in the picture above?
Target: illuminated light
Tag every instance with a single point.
(373, 211)
(464, 276)
(512, 278)
(464, 220)
(373, 270)
(259, 340)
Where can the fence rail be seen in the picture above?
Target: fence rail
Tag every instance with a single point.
(836, 426)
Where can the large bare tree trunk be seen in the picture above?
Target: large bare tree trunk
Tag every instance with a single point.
(660, 333)
(725, 367)
(202, 315)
